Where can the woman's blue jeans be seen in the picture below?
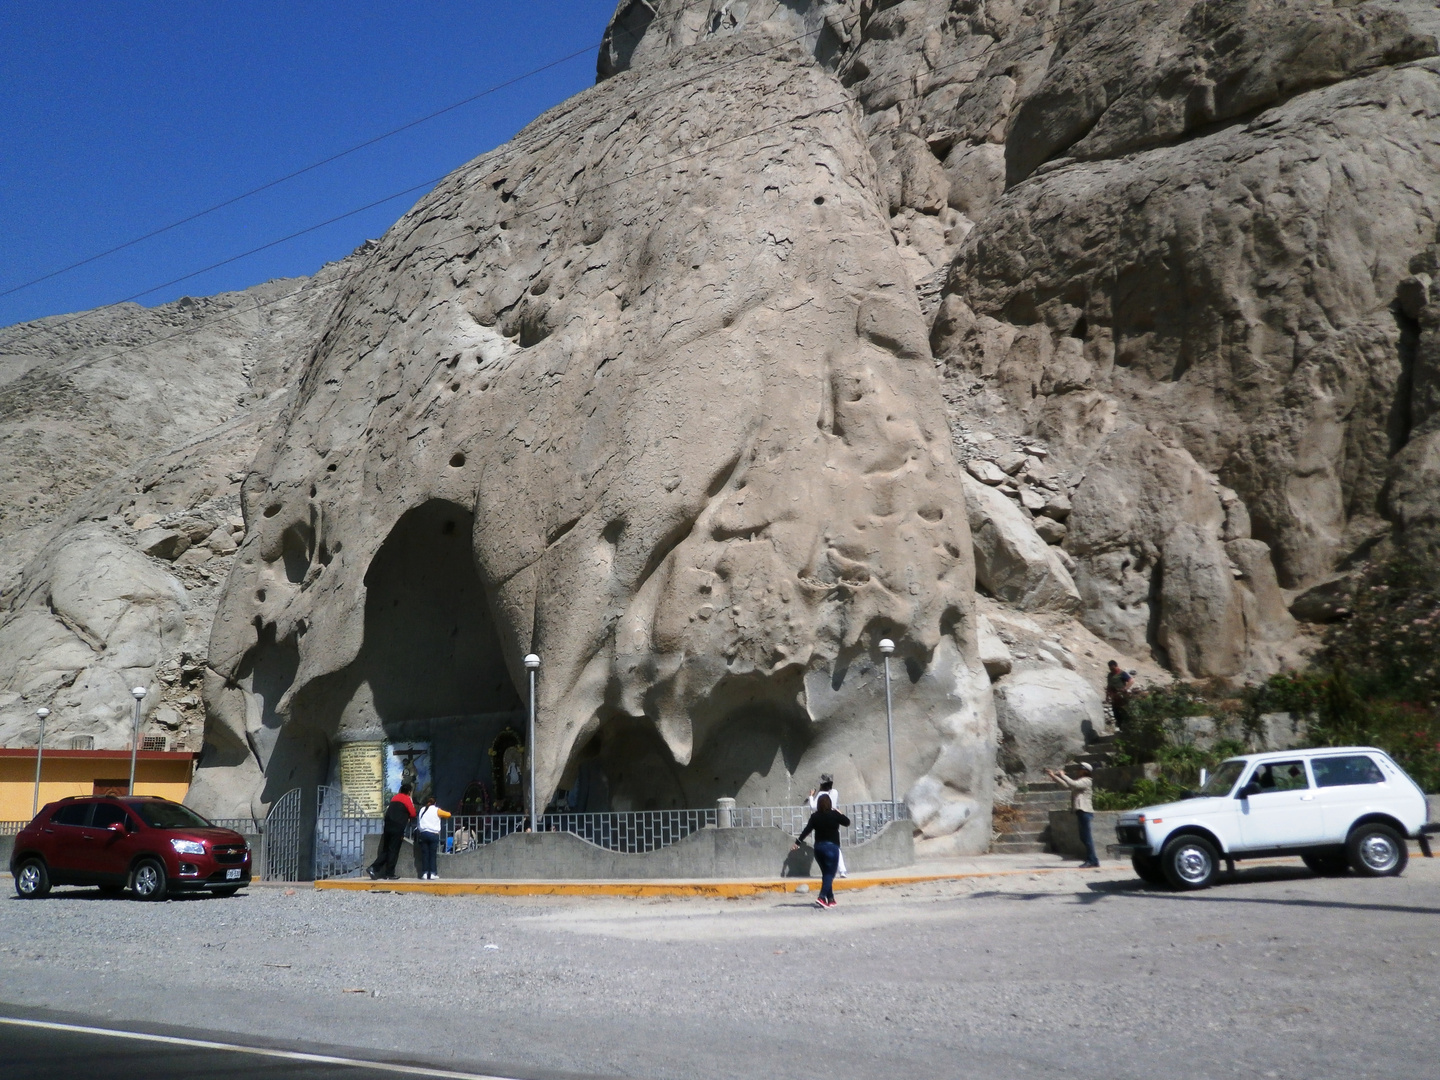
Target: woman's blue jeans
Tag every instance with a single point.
(828, 856)
(429, 844)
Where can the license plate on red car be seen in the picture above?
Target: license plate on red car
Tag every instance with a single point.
(232, 875)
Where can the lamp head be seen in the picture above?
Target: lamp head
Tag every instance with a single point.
(42, 713)
(138, 693)
(532, 661)
(887, 646)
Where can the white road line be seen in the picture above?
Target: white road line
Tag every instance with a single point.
(233, 1048)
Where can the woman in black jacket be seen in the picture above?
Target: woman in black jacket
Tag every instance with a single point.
(826, 823)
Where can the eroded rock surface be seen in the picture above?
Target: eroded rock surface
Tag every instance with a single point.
(1046, 715)
(653, 391)
(153, 417)
(662, 360)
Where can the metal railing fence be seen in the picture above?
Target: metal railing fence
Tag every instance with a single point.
(635, 832)
(10, 828)
(284, 838)
(339, 828)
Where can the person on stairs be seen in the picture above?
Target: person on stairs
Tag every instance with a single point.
(427, 838)
(397, 815)
(827, 787)
(825, 822)
(1083, 805)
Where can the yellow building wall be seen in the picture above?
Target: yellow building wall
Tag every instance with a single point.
(76, 776)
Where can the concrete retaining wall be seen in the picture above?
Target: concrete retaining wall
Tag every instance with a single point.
(709, 853)
(7, 847)
(1065, 833)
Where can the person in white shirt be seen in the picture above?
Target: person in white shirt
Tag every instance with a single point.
(827, 787)
(427, 838)
(1082, 803)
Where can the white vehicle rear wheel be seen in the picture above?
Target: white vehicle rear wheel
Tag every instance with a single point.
(1377, 850)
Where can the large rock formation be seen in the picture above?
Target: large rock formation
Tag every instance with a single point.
(658, 366)
(810, 321)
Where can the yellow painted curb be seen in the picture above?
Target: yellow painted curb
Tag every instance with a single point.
(648, 888)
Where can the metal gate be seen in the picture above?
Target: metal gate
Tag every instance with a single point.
(285, 839)
(341, 826)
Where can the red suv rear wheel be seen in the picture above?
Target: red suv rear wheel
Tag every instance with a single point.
(32, 880)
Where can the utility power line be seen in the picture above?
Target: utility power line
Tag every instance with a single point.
(292, 175)
(518, 146)
(322, 162)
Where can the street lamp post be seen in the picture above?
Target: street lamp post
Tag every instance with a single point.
(138, 694)
(39, 753)
(532, 665)
(887, 647)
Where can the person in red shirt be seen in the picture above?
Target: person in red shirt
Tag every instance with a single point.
(398, 814)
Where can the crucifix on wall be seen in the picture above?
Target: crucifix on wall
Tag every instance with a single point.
(409, 774)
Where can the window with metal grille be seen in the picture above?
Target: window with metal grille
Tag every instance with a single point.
(153, 742)
(82, 742)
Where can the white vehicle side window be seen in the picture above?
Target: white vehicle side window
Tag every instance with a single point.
(1280, 776)
(1346, 771)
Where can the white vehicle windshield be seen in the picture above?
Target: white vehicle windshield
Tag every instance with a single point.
(1223, 779)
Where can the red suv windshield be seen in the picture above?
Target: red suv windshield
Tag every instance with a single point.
(168, 815)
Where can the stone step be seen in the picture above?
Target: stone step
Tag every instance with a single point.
(1009, 847)
(1026, 813)
(1033, 825)
(1056, 801)
(1028, 829)
(1041, 785)
(1023, 838)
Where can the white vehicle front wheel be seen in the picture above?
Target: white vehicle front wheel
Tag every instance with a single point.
(1188, 862)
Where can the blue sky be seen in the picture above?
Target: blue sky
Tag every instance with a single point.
(118, 118)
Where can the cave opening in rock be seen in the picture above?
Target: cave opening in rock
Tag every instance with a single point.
(431, 671)
(750, 736)
(430, 646)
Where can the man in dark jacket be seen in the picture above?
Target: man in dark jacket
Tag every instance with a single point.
(398, 814)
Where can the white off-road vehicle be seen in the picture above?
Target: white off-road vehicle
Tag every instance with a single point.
(1337, 808)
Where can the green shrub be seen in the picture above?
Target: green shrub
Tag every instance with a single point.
(1374, 682)
(1376, 679)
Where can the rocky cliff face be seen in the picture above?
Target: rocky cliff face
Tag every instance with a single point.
(125, 434)
(658, 363)
(1183, 228)
(1024, 334)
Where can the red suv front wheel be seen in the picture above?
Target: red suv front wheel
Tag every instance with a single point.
(148, 882)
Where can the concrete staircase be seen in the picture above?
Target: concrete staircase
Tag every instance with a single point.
(1023, 827)
(1099, 753)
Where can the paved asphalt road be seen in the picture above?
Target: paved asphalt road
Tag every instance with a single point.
(1279, 975)
(45, 1046)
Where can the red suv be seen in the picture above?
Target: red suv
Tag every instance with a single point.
(152, 845)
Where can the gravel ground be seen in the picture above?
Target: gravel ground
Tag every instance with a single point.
(1280, 974)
